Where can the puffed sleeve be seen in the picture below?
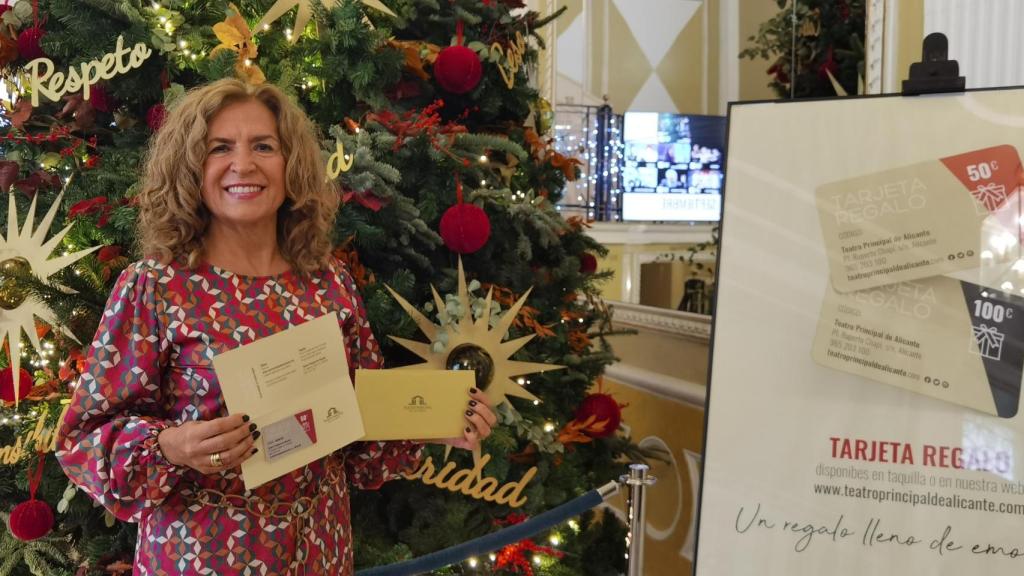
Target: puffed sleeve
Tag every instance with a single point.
(370, 464)
(107, 442)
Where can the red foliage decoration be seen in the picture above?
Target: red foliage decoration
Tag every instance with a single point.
(513, 557)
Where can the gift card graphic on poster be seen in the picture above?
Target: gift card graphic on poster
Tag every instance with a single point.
(922, 220)
(941, 337)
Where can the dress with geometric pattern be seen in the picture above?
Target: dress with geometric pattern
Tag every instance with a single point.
(149, 368)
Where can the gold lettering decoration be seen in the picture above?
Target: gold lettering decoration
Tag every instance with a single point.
(39, 439)
(511, 61)
(54, 85)
(469, 482)
(339, 162)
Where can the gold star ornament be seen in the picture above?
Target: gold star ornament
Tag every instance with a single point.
(23, 250)
(474, 345)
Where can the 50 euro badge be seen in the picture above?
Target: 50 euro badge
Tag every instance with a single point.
(922, 220)
(940, 337)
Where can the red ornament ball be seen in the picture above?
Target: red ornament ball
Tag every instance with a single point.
(588, 263)
(31, 520)
(101, 99)
(458, 69)
(28, 43)
(465, 228)
(7, 384)
(155, 116)
(601, 407)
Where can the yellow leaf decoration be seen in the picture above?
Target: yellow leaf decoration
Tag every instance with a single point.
(413, 51)
(234, 34)
(304, 12)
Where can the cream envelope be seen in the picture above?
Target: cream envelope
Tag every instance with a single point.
(413, 404)
(295, 386)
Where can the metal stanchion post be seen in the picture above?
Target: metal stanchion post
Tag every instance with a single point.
(638, 481)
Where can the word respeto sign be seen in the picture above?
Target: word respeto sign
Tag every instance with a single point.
(43, 81)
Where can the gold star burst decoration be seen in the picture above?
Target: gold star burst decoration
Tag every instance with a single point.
(302, 17)
(477, 337)
(22, 250)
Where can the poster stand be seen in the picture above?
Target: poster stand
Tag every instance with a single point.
(859, 419)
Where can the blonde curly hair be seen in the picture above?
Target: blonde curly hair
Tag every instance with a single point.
(172, 217)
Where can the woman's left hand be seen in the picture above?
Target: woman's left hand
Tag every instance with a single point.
(480, 419)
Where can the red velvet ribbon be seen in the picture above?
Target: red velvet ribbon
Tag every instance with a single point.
(35, 477)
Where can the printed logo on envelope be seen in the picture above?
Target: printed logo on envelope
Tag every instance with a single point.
(417, 404)
(922, 220)
(941, 337)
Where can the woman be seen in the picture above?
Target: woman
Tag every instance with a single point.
(235, 215)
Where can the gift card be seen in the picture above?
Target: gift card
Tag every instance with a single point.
(941, 337)
(922, 220)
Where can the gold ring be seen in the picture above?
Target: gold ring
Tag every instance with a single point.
(215, 460)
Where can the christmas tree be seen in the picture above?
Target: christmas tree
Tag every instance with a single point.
(440, 149)
(815, 47)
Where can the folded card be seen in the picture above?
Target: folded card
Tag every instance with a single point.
(295, 386)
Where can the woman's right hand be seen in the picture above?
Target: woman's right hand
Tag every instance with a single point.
(202, 445)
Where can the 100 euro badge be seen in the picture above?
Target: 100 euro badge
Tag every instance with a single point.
(922, 220)
(941, 337)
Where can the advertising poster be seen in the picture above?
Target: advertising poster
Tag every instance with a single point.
(864, 407)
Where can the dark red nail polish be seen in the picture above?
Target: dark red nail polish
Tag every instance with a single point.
(473, 390)
(256, 435)
(245, 418)
(472, 402)
(252, 427)
(469, 412)
(468, 429)
(255, 450)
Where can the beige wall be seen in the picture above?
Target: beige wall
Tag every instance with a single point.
(910, 28)
(652, 55)
(671, 504)
(675, 357)
(600, 53)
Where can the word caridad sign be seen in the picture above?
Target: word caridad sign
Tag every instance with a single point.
(53, 85)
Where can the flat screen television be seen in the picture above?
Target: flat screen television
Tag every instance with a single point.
(673, 167)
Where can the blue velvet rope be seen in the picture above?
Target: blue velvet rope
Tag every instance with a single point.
(488, 542)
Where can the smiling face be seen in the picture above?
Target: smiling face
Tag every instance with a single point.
(244, 172)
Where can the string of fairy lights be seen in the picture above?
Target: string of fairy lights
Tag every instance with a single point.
(593, 135)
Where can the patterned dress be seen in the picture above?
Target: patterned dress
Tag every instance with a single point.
(149, 368)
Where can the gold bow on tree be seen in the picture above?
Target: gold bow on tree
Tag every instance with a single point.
(234, 34)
